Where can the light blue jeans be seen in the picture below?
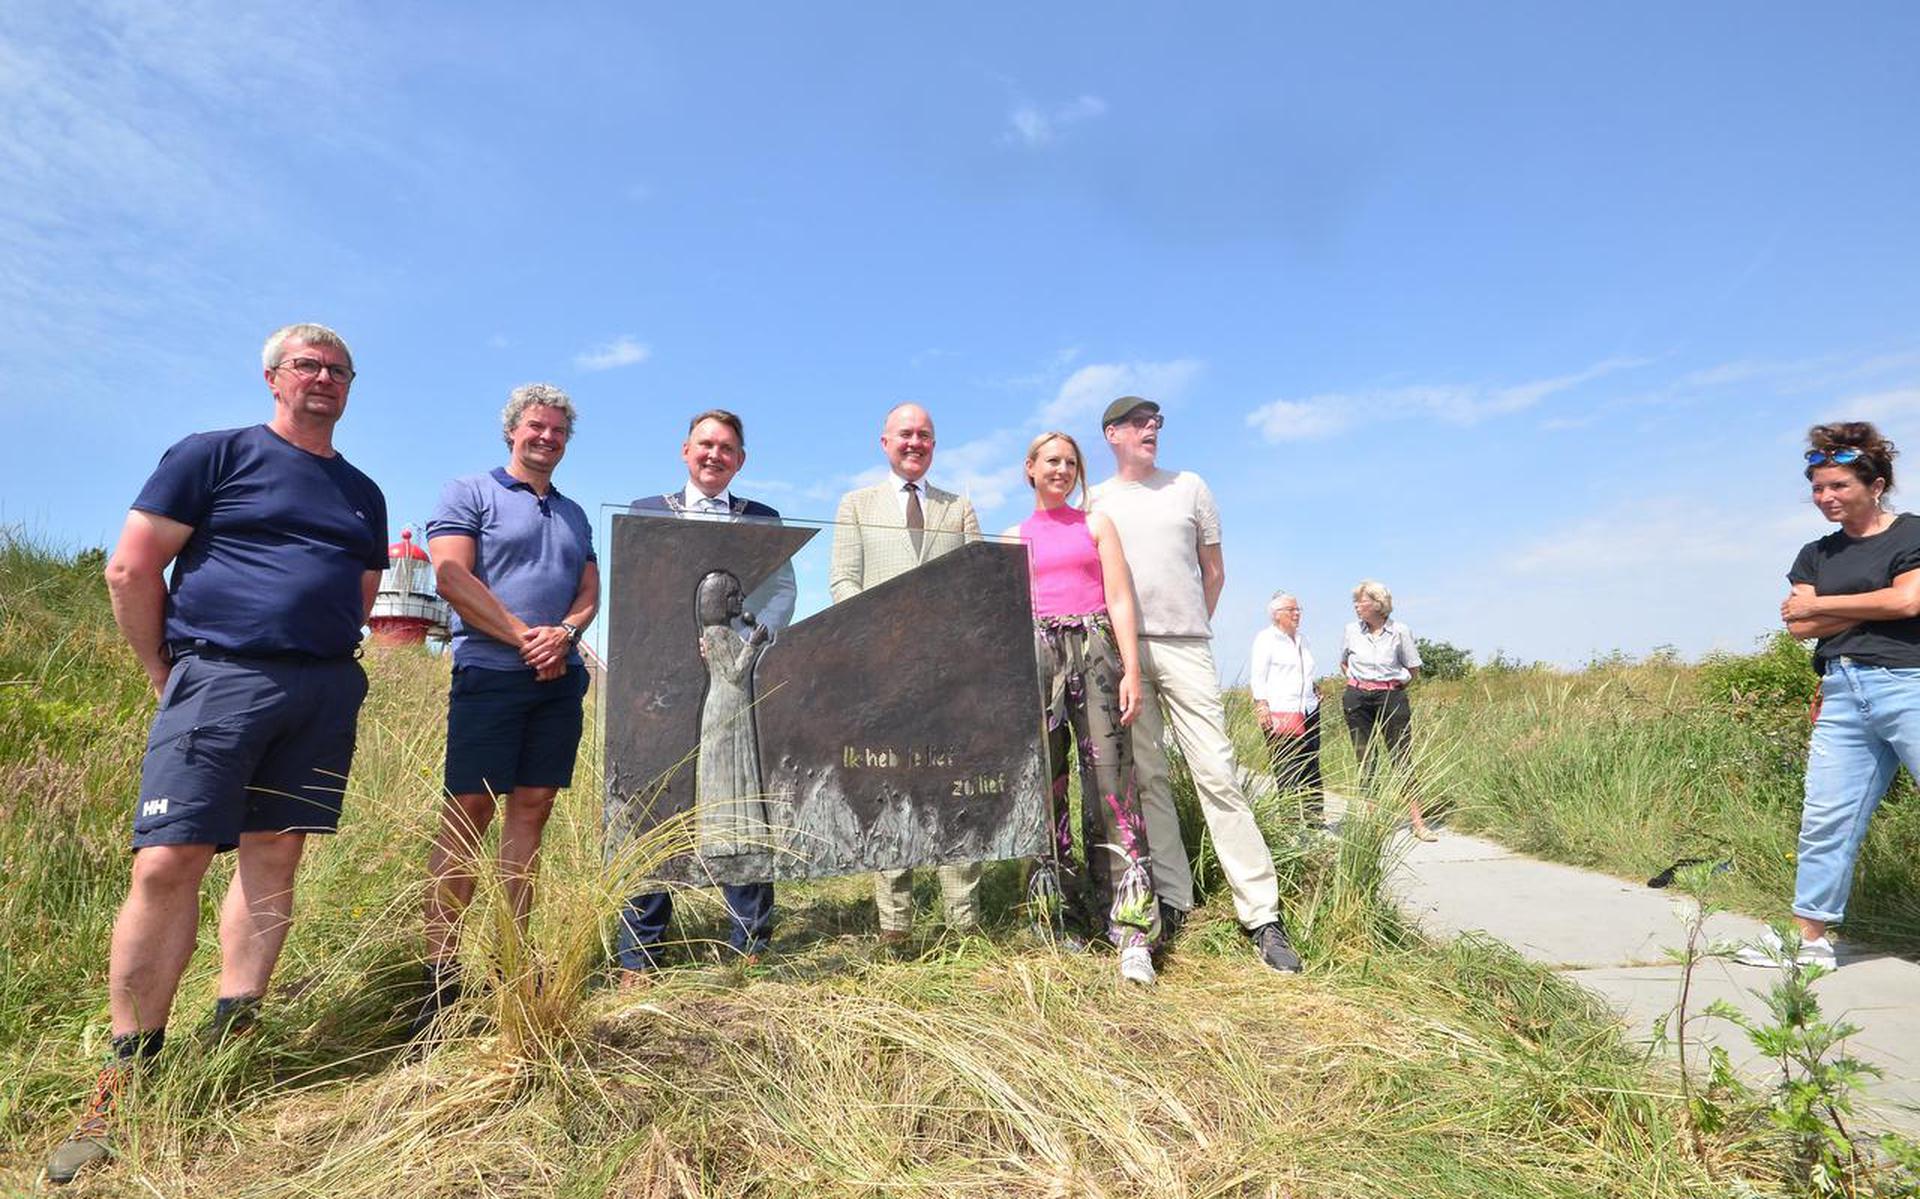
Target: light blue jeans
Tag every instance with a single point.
(1869, 724)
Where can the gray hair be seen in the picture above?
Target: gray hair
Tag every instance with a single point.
(1377, 592)
(1279, 597)
(313, 335)
(535, 395)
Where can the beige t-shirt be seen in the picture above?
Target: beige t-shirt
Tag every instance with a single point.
(1163, 522)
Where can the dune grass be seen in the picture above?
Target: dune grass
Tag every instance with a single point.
(982, 1065)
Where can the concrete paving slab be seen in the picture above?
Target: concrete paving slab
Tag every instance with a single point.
(1559, 916)
(1876, 992)
(1613, 936)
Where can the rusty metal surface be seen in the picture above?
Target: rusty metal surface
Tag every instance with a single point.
(899, 727)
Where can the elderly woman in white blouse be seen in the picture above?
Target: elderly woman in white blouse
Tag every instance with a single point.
(1287, 706)
(1380, 659)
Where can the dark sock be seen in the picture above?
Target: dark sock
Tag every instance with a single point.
(139, 1046)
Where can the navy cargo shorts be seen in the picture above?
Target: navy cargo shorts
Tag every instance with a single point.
(505, 730)
(248, 745)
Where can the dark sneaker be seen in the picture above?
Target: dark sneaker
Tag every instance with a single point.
(1171, 918)
(443, 991)
(1271, 943)
(92, 1140)
(231, 1018)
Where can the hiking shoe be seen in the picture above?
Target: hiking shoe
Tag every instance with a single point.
(1271, 943)
(1771, 952)
(92, 1140)
(1136, 965)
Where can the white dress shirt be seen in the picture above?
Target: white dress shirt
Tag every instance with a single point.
(900, 493)
(1282, 675)
(772, 602)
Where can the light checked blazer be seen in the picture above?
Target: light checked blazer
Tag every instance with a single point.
(870, 539)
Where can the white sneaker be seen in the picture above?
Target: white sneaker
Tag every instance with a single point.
(1770, 951)
(1136, 966)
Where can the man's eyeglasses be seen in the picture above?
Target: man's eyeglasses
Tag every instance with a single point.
(1839, 457)
(310, 368)
(1145, 420)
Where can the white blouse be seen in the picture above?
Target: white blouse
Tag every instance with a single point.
(1388, 656)
(1283, 672)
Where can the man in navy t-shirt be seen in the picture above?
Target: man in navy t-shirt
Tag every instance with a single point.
(276, 546)
(515, 560)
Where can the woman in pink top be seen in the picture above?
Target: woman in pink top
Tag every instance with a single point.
(1084, 633)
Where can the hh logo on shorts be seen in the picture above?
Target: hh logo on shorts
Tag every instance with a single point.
(154, 807)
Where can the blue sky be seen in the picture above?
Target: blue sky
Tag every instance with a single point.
(1519, 308)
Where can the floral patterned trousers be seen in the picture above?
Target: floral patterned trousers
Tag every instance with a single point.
(1080, 683)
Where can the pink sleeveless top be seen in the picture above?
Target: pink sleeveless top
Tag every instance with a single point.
(1066, 566)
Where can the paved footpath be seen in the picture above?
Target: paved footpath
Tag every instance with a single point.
(1612, 936)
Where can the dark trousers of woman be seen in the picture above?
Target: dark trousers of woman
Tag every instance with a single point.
(1377, 716)
(1296, 767)
(1080, 674)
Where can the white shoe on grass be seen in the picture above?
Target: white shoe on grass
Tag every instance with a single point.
(1771, 951)
(1136, 965)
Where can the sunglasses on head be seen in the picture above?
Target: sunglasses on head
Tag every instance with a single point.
(1840, 457)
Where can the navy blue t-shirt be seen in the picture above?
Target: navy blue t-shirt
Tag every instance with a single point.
(281, 540)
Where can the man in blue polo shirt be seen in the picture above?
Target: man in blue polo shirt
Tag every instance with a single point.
(514, 558)
(276, 546)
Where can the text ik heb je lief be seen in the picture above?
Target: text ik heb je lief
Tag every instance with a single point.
(922, 757)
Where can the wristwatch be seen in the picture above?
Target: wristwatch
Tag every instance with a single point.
(572, 631)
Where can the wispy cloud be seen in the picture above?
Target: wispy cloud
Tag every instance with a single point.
(1091, 388)
(1032, 127)
(621, 351)
(1459, 404)
(1880, 405)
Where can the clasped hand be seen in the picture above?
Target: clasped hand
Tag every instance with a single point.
(545, 648)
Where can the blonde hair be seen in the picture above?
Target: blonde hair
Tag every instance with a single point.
(1079, 463)
(1377, 592)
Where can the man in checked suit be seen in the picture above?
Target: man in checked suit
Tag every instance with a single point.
(887, 530)
(715, 450)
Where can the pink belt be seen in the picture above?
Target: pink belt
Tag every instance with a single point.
(1370, 685)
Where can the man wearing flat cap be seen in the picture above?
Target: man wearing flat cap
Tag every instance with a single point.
(1170, 530)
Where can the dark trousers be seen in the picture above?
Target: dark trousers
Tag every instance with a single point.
(1379, 716)
(1296, 766)
(644, 921)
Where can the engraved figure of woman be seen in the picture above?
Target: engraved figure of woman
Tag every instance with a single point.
(732, 808)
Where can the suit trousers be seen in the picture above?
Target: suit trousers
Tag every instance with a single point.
(1178, 672)
(893, 897)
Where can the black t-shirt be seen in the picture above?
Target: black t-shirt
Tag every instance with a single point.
(1841, 564)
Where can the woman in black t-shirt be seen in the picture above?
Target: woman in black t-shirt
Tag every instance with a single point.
(1858, 591)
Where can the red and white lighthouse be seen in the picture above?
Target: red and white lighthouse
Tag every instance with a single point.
(408, 609)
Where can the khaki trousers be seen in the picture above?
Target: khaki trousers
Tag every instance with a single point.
(893, 897)
(1179, 673)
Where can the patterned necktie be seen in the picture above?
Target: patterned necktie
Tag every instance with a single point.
(710, 505)
(916, 518)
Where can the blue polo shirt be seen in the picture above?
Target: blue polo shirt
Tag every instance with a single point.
(282, 540)
(528, 550)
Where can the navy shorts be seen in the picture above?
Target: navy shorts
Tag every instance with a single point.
(248, 745)
(505, 730)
